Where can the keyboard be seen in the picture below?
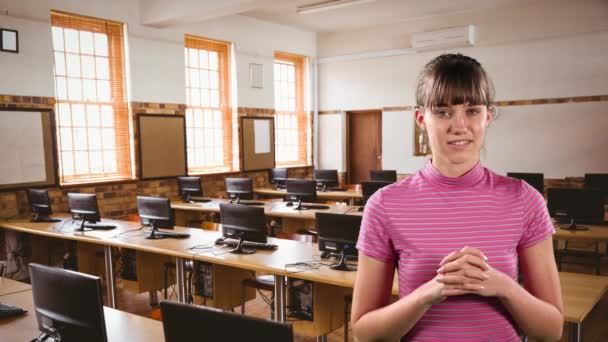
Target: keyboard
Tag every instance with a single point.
(246, 244)
(174, 235)
(96, 226)
(251, 203)
(315, 206)
(7, 311)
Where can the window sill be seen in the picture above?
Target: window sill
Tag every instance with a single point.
(96, 183)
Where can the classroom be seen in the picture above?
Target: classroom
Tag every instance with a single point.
(301, 170)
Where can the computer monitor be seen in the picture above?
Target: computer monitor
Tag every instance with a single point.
(239, 188)
(84, 207)
(383, 175)
(597, 181)
(536, 180)
(68, 304)
(243, 223)
(338, 234)
(187, 322)
(301, 190)
(156, 213)
(40, 205)
(576, 205)
(189, 187)
(369, 188)
(326, 179)
(278, 176)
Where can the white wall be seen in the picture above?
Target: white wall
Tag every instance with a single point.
(543, 50)
(156, 55)
(332, 137)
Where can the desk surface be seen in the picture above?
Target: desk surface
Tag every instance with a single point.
(271, 208)
(321, 194)
(120, 326)
(9, 286)
(580, 293)
(595, 232)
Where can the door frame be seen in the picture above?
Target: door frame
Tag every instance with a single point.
(349, 113)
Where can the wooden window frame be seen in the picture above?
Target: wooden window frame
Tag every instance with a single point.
(299, 63)
(224, 56)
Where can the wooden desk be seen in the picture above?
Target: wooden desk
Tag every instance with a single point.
(292, 220)
(595, 233)
(120, 326)
(580, 293)
(9, 286)
(349, 195)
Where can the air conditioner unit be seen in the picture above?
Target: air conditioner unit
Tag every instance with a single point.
(444, 38)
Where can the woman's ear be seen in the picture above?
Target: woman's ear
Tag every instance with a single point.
(490, 115)
(419, 114)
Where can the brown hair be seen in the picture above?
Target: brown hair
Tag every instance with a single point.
(451, 79)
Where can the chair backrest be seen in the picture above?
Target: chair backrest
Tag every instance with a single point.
(383, 175)
(186, 322)
(68, 301)
(241, 187)
(369, 188)
(306, 189)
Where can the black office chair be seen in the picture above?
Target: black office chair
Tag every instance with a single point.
(278, 176)
(68, 304)
(369, 188)
(383, 175)
(185, 322)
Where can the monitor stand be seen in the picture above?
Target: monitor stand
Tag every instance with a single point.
(341, 264)
(239, 248)
(573, 226)
(82, 228)
(153, 235)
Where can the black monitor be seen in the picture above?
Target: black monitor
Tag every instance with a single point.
(68, 304)
(189, 187)
(576, 206)
(383, 175)
(301, 190)
(278, 176)
(597, 181)
(40, 205)
(338, 234)
(156, 213)
(536, 180)
(239, 188)
(244, 223)
(84, 207)
(187, 322)
(369, 188)
(326, 179)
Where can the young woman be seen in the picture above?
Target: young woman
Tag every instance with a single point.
(457, 233)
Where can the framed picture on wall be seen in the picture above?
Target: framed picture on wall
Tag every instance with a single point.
(9, 40)
(256, 75)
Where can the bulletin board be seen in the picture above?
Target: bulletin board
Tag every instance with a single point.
(28, 155)
(257, 143)
(162, 146)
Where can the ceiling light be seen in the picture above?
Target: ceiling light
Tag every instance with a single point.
(328, 5)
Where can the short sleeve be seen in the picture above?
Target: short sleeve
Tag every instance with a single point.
(374, 238)
(537, 222)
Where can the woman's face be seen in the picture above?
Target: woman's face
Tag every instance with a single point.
(456, 132)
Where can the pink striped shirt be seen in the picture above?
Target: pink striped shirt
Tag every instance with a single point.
(416, 222)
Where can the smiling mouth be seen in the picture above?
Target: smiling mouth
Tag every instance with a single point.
(460, 142)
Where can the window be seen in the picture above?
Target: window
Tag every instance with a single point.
(291, 124)
(208, 114)
(92, 111)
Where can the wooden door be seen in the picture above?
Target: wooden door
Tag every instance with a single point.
(364, 144)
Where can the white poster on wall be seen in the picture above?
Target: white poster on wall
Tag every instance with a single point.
(22, 151)
(261, 132)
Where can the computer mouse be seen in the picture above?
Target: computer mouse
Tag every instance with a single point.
(289, 204)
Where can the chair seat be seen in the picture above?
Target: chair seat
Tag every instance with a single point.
(263, 282)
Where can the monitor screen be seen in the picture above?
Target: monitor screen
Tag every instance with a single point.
(582, 205)
(68, 302)
(326, 178)
(278, 176)
(155, 210)
(369, 188)
(84, 207)
(301, 190)
(338, 234)
(243, 222)
(597, 181)
(183, 322)
(383, 175)
(40, 205)
(239, 188)
(536, 180)
(189, 186)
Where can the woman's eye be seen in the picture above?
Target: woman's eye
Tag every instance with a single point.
(473, 111)
(443, 114)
